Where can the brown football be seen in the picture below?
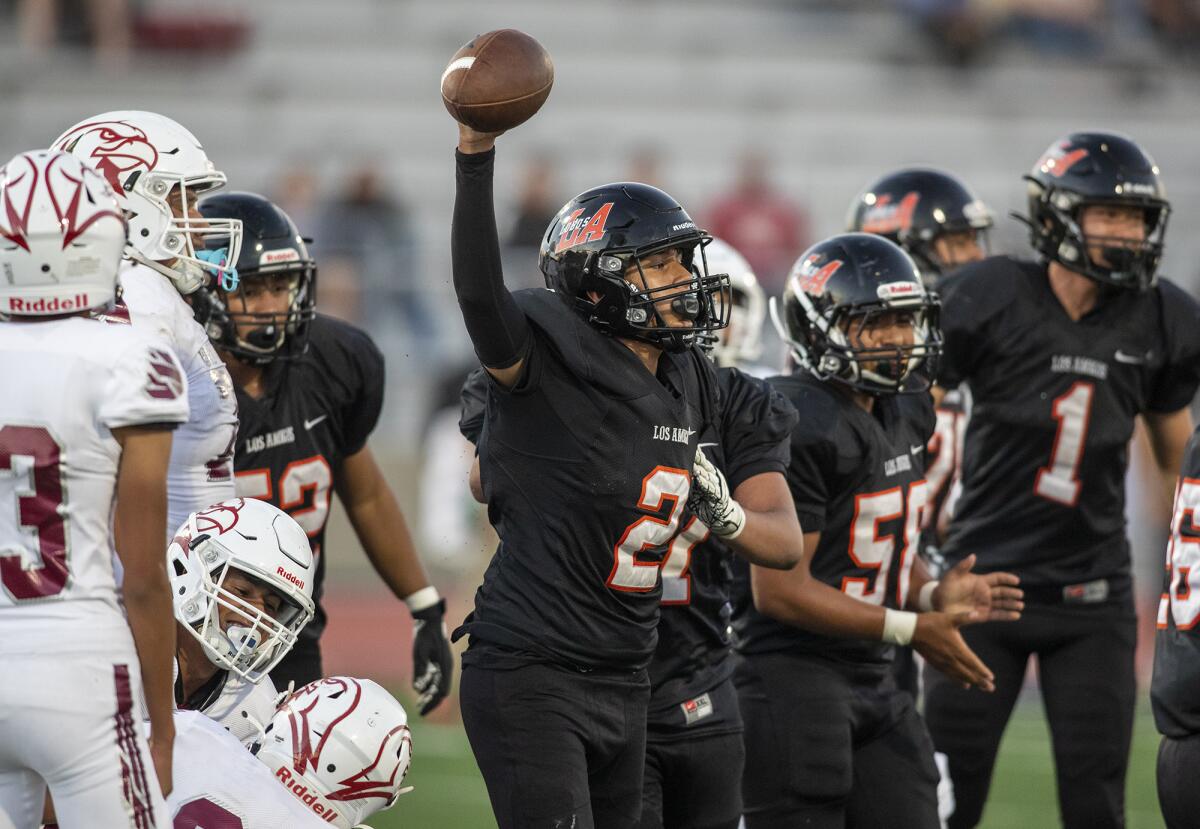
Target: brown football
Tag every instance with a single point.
(498, 80)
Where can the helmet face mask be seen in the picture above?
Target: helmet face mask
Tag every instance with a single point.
(594, 255)
(836, 294)
(209, 566)
(275, 259)
(1094, 169)
(741, 341)
(158, 170)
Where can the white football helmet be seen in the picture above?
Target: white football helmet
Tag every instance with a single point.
(144, 156)
(341, 745)
(61, 236)
(742, 342)
(255, 539)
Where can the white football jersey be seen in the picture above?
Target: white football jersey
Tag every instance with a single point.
(219, 783)
(242, 708)
(201, 471)
(66, 385)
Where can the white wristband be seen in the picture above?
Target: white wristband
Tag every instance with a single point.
(925, 597)
(899, 626)
(424, 598)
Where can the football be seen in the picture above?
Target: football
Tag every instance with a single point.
(497, 80)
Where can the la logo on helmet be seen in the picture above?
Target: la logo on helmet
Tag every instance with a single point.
(577, 230)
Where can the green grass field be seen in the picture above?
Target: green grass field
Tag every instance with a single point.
(450, 793)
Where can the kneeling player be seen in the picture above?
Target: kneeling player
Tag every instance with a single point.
(241, 574)
(830, 739)
(334, 754)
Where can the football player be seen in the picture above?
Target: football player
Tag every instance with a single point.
(942, 225)
(830, 739)
(597, 397)
(309, 392)
(85, 418)
(694, 748)
(158, 169)
(1177, 654)
(335, 753)
(242, 577)
(1061, 354)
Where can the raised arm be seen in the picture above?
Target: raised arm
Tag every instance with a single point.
(497, 327)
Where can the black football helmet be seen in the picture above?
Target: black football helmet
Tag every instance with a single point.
(1088, 168)
(271, 247)
(842, 284)
(913, 207)
(600, 233)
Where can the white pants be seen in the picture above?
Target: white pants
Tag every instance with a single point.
(73, 722)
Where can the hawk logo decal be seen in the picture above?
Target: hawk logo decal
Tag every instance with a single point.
(114, 148)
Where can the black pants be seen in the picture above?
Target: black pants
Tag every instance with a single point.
(558, 748)
(694, 780)
(302, 665)
(832, 745)
(1085, 670)
(1178, 794)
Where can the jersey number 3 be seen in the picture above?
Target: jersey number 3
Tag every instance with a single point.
(30, 455)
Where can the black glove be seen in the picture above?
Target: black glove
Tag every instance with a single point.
(433, 662)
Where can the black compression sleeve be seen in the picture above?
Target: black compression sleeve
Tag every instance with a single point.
(496, 325)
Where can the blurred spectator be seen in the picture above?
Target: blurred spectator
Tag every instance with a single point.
(767, 227)
(1177, 25)
(367, 252)
(955, 28)
(109, 27)
(537, 202)
(296, 193)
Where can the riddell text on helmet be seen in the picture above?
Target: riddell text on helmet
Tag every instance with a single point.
(308, 798)
(45, 305)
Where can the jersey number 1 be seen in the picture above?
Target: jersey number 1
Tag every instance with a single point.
(1058, 480)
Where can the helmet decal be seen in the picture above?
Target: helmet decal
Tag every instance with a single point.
(1060, 158)
(163, 381)
(813, 279)
(219, 518)
(80, 211)
(577, 230)
(114, 148)
(886, 216)
(19, 204)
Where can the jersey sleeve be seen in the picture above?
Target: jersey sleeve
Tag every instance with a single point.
(361, 410)
(145, 386)
(1175, 384)
(756, 425)
(971, 298)
(474, 405)
(812, 460)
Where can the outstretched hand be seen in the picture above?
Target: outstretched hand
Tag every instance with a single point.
(987, 597)
(471, 140)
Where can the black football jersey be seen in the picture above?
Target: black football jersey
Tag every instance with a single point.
(586, 468)
(1175, 689)
(1053, 408)
(751, 437)
(317, 410)
(857, 477)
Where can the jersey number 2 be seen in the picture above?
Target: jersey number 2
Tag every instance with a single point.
(663, 484)
(1058, 480)
(30, 455)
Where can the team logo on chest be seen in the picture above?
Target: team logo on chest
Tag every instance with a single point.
(269, 440)
(675, 434)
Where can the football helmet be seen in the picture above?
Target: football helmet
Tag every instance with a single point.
(844, 283)
(271, 247)
(262, 542)
(913, 207)
(341, 745)
(144, 157)
(747, 307)
(1087, 168)
(62, 234)
(601, 232)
